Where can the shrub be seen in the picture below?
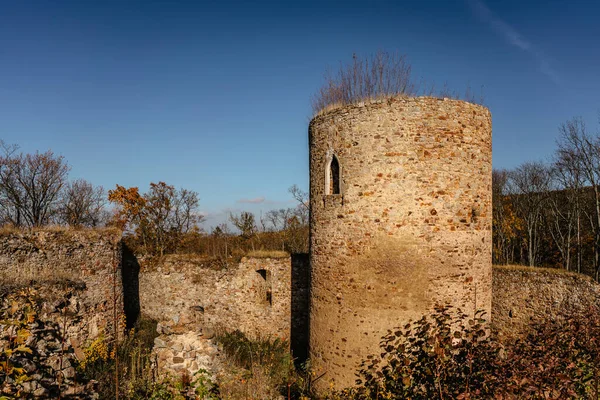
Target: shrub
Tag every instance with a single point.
(444, 355)
(448, 355)
(380, 75)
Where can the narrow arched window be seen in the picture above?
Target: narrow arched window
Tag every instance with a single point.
(332, 181)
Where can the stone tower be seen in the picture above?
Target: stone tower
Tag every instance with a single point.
(401, 219)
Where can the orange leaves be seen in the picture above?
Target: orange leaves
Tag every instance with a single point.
(156, 219)
(131, 205)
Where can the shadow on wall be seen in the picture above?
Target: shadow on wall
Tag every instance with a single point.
(299, 335)
(131, 287)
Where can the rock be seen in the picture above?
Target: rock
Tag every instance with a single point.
(68, 372)
(77, 349)
(177, 347)
(40, 392)
(54, 362)
(163, 329)
(158, 342)
(208, 332)
(25, 363)
(30, 386)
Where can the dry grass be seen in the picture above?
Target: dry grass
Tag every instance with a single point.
(554, 271)
(268, 254)
(382, 99)
(7, 230)
(255, 368)
(358, 103)
(242, 384)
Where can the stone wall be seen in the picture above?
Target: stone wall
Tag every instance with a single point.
(44, 310)
(522, 293)
(411, 224)
(253, 296)
(190, 300)
(90, 259)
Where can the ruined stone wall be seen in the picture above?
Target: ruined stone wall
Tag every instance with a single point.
(43, 311)
(521, 294)
(182, 293)
(190, 300)
(410, 227)
(87, 259)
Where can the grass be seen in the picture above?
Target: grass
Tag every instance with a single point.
(136, 377)
(260, 368)
(389, 99)
(6, 230)
(268, 254)
(554, 271)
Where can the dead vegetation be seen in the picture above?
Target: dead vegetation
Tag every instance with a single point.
(268, 254)
(380, 76)
(551, 271)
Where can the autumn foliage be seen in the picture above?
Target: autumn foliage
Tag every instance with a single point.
(157, 220)
(449, 355)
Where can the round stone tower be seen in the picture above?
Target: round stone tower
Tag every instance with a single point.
(401, 219)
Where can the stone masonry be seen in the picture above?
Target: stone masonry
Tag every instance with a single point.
(185, 293)
(90, 258)
(191, 301)
(524, 294)
(400, 196)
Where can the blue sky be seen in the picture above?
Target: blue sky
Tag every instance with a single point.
(214, 96)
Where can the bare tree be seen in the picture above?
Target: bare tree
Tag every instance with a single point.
(501, 221)
(185, 215)
(529, 185)
(82, 204)
(382, 74)
(31, 186)
(303, 208)
(564, 213)
(220, 236)
(10, 191)
(580, 152)
(245, 222)
(169, 214)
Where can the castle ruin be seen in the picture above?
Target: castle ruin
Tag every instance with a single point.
(401, 219)
(400, 196)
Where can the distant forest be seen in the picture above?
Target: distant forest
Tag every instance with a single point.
(548, 214)
(544, 213)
